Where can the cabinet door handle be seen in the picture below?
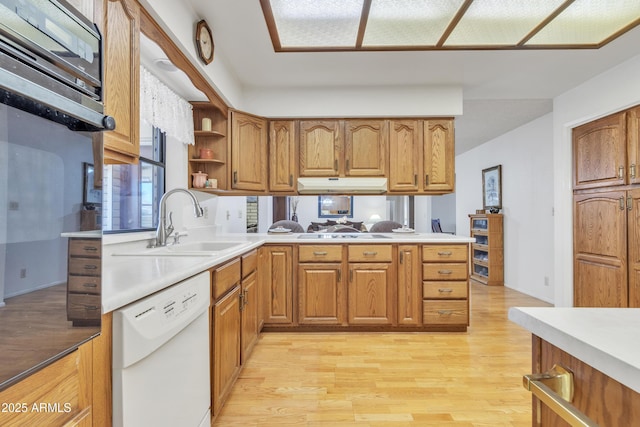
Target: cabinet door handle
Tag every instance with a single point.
(335, 165)
(401, 257)
(445, 253)
(415, 179)
(319, 253)
(351, 275)
(246, 297)
(347, 164)
(629, 203)
(632, 171)
(621, 200)
(445, 271)
(235, 177)
(241, 300)
(445, 290)
(290, 180)
(555, 389)
(621, 172)
(426, 180)
(369, 253)
(339, 275)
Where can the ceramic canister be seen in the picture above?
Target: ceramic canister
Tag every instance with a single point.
(199, 179)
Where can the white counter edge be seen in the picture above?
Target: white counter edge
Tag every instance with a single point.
(608, 339)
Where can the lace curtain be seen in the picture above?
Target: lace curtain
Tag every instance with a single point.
(164, 109)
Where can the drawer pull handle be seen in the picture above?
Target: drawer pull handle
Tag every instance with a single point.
(319, 253)
(445, 312)
(90, 248)
(621, 172)
(555, 389)
(90, 285)
(90, 267)
(447, 290)
(369, 253)
(445, 271)
(445, 253)
(91, 307)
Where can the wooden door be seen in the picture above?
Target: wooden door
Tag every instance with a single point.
(320, 144)
(371, 295)
(121, 94)
(404, 155)
(248, 152)
(279, 287)
(282, 155)
(599, 153)
(600, 249)
(249, 307)
(409, 286)
(365, 147)
(633, 145)
(439, 156)
(633, 229)
(321, 298)
(226, 346)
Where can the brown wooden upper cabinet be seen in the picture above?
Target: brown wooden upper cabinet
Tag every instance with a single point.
(248, 152)
(404, 155)
(282, 155)
(320, 145)
(365, 151)
(421, 156)
(605, 151)
(121, 32)
(439, 156)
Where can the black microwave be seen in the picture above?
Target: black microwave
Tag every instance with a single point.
(51, 63)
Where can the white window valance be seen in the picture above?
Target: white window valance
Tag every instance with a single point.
(164, 109)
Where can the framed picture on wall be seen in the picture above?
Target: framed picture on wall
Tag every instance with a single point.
(492, 187)
(335, 206)
(92, 195)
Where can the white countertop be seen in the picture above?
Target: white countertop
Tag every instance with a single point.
(126, 279)
(607, 339)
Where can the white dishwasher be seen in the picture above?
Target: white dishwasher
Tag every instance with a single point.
(161, 358)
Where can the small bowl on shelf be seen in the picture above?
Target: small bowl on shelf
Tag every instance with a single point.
(206, 153)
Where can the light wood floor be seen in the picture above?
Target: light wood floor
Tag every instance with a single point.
(392, 379)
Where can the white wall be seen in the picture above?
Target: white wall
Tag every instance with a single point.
(444, 208)
(614, 90)
(527, 199)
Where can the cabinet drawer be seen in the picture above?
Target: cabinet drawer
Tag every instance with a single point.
(320, 253)
(81, 307)
(85, 266)
(444, 290)
(444, 271)
(445, 312)
(449, 253)
(249, 263)
(373, 253)
(84, 284)
(225, 278)
(85, 247)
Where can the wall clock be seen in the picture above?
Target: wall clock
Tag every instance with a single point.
(204, 42)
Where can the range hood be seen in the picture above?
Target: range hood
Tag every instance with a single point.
(342, 185)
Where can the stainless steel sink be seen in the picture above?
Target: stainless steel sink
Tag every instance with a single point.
(187, 249)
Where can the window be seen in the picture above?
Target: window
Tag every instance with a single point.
(132, 192)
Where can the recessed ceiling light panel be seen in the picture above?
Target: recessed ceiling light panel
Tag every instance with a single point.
(500, 22)
(313, 23)
(408, 22)
(588, 22)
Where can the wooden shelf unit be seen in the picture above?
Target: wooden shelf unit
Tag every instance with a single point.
(487, 253)
(216, 139)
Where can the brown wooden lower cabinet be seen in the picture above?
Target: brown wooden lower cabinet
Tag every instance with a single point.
(371, 294)
(278, 273)
(601, 398)
(226, 347)
(321, 294)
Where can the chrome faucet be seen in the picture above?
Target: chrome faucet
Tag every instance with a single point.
(165, 230)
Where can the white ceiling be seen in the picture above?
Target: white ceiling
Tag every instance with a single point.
(501, 89)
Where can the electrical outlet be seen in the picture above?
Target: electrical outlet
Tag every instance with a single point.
(14, 206)
(23, 273)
